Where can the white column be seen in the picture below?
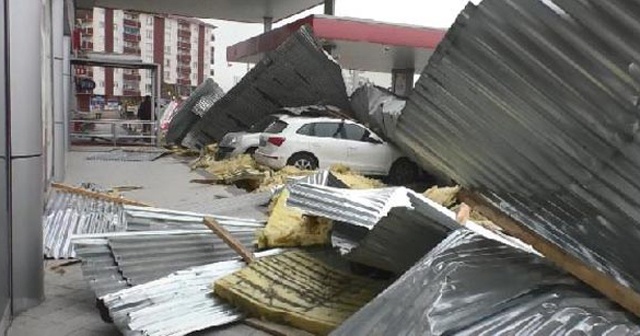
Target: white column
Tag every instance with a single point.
(26, 162)
(57, 39)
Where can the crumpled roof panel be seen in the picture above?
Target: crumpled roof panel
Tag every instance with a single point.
(531, 104)
(471, 285)
(297, 73)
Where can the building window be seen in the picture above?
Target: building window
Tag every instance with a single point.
(101, 24)
(115, 27)
(167, 62)
(195, 65)
(149, 20)
(149, 58)
(149, 34)
(167, 50)
(101, 84)
(148, 88)
(115, 84)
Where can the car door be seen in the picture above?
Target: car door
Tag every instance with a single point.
(325, 143)
(366, 152)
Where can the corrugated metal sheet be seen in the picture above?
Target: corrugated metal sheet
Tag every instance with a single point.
(99, 268)
(153, 219)
(298, 73)
(192, 110)
(142, 258)
(178, 304)
(470, 285)
(388, 228)
(67, 214)
(531, 103)
(378, 108)
(128, 155)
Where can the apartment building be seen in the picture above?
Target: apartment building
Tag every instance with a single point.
(184, 47)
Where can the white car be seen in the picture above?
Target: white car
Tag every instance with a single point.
(236, 143)
(312, 143)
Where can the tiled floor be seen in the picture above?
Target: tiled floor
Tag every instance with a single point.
(69, 307)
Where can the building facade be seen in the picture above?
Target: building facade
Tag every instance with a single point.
(183, 47)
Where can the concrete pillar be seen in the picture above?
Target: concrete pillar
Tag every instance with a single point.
(25, 155)
(329, 7)
(402, 81)
(268, 23)
(57, 40)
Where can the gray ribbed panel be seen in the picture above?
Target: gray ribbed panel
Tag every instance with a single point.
(531, 103)
(470, 285)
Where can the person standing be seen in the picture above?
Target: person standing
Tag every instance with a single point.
(144, 113)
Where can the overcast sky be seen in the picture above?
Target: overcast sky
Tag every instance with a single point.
(430, 13)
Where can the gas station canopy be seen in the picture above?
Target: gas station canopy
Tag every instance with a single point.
(355, 43)
(254, 11)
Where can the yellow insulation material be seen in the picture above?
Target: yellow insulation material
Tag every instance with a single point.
(296, 289)
(287, 227)
(445, 196)
(353, 179)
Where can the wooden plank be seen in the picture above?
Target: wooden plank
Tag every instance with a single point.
(602, 282)
(93, 194)
(274, 328)
(230, 240)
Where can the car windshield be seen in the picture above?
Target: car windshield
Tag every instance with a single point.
(276, 127)
(262, 125)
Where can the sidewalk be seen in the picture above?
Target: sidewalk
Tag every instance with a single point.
(69, 308)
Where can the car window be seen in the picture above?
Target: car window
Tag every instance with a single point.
(326, 130)
(276, 127)
(353, 132)
(306, 130)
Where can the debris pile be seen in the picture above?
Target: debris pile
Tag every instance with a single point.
(511, 107)
(298, 289)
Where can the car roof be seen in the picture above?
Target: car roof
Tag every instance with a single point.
(304, 120)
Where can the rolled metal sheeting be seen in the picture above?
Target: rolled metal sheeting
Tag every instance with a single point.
(178, 304)
(470, 285)
(531, 103)
(191, 110)
(297, 73)
(388, 228)
(68, 214)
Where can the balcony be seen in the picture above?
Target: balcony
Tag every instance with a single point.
(184, 45)
(131, 23)
(131, 77)
(131, 38)
(131, 92)
(184, 58)
(131, 51)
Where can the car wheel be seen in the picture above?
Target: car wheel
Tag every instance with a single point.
(251, 150)
(303, 161)
(403, 172)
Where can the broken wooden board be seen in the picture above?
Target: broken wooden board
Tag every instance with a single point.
(595, 278)
(92, 194)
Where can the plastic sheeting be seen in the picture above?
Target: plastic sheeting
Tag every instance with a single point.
(297, 73)
(191, 110)
(377, 108)
(531, 104)
(470, 285)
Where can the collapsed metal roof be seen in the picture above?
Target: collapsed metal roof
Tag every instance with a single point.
(387, 228)
(298, 73)
(470, 285)
(177, 304)
(531, 104)
(67, 214)
(378, 108)
(192, 109)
